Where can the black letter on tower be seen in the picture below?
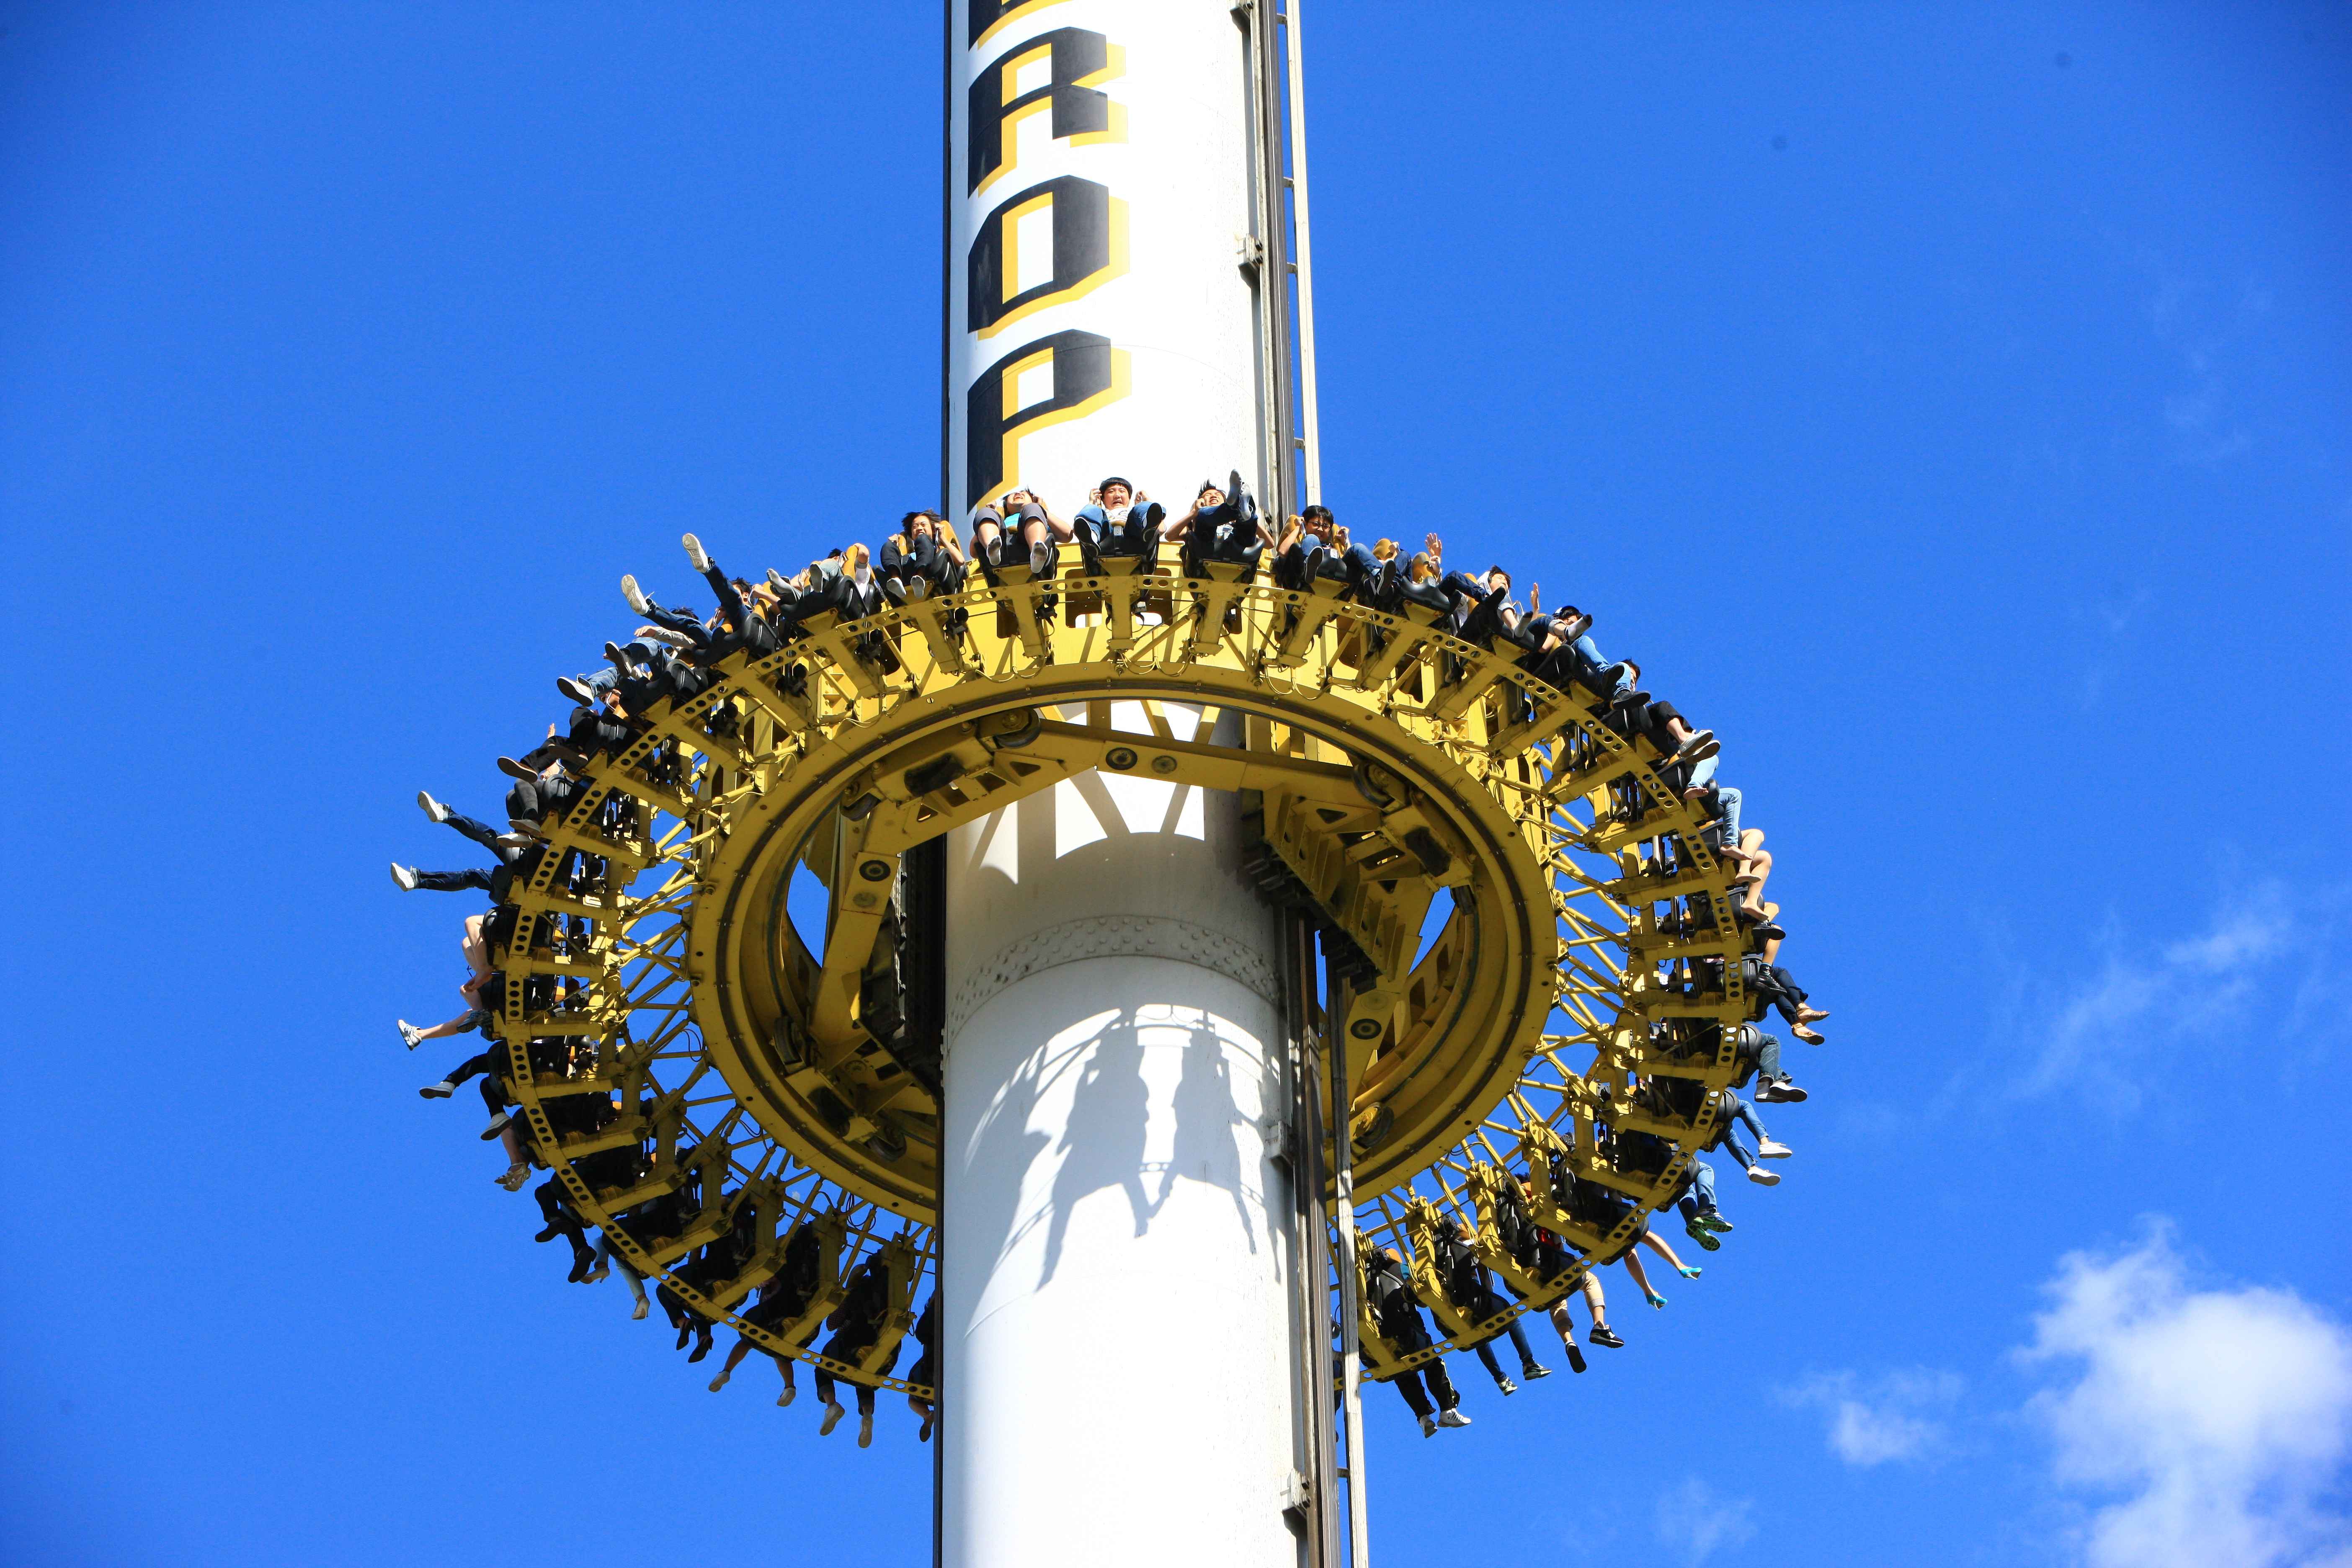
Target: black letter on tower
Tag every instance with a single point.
(1078, 110)
(1086, 375)
(1081, 248)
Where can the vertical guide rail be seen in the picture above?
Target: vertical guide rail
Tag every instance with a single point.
(1278, 483)
(1352, 1360)
(947, 506)
(1311, 441)
(1313, 1260)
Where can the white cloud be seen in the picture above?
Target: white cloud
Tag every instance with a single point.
(1883, 1419)
(2205, 329)
(2257, 945)
(2209, 1425)
(1694, 1522)
(2110, 622)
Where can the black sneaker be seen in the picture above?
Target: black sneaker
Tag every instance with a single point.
(1603, 1334)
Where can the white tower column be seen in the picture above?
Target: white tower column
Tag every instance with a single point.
(1114, 1297)
(1115, 1293)
(1102, 318)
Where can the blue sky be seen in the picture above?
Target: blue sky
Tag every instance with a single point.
(1950, 406)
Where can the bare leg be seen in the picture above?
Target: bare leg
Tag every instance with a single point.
(518, 1167)
(1633, 1261)
(1757, 867)
(456, 1025)
(785, 1365)
(734, 1359)
(1657, 1243)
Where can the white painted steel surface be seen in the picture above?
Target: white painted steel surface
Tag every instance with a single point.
(1115, 1310)
(1146, 331)
(1114, 1306)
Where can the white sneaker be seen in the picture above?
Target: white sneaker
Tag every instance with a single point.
(1768, 1150)
(1509, 1387)
(1429, 1426)
(403, 877)
(1041, 558)
(833, 1414)
(412, 1034)
(695, 554)
(1762, 1177)
(721, 1380)
(432, 808)
(1452, 1418)
(441, 1091)
(865, 1431)
(643, 1307)
(634, 594)
(788, 1395)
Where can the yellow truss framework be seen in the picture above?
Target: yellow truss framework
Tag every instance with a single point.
(1389, 761)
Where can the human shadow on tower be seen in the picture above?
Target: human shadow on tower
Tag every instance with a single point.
(1110, 1113)
(1206, 1119)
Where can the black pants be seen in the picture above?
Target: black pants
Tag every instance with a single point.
(541, 800)
(485, 1066)
(559, 1215)
(1776, 987)
(847, 1347)
(1408, 1333)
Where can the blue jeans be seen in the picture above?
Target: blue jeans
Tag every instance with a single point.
(1486, 1349)
(1737, 1110)
(1730, 829)
(1700, 1199)
(604, 679)
(1590, 652)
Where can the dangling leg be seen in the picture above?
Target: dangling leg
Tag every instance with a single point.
(734, 1359)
